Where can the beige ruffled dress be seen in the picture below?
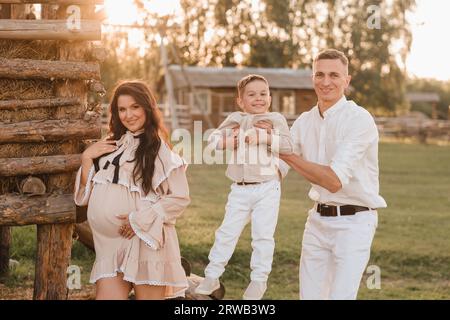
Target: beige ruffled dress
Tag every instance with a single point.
(152, 256)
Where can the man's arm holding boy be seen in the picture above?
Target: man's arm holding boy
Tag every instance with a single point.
(315, 173)
(275, 134)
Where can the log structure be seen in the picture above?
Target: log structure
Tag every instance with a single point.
(14, 105)
(21, 210)
(33, 186)
(44, 198)
(42, 69)
(59, 2)
(50, 130)
(39, 165)
(49, 30)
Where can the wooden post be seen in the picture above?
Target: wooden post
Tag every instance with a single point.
(52, 259)
(434, 111)
(5, 242)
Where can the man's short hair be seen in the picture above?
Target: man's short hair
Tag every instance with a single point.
(246, 80)
(332, 54)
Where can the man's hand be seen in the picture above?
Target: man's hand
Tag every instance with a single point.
(265, 124)
(230, 142)
(256, 136)
(288, 157)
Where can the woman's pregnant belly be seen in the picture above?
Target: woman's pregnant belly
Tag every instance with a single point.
(107, 201)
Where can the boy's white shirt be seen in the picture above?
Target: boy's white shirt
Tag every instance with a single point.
(253, 162)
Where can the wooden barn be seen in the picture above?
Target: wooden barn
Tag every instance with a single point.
(213, 90)
(425, 102)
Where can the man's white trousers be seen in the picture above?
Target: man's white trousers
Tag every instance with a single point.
(335, 252)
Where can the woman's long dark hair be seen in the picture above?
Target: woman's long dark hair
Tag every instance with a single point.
(154, 129)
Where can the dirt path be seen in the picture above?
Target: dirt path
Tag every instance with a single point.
(26, 293)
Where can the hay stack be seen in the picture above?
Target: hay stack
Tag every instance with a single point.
(14, 89)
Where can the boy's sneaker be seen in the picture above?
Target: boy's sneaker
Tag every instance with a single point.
(255, 290)
(207, 286)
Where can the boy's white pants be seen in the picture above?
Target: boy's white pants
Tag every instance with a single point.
(335, 252)
(260, 203)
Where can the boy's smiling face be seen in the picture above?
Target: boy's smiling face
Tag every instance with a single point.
(255, 98)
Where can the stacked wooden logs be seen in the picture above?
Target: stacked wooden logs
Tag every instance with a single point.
(41, 155)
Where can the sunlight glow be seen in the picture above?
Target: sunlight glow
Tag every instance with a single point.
(163, 7)
(126, 12)
(428, 57)
(121, 11)
(430, 50)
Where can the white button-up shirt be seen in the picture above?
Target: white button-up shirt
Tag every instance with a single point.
(346, 139)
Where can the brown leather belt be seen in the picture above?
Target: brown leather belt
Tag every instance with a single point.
(332, 211)
(246, 183)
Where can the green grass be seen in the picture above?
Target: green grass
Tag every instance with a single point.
(411, 246)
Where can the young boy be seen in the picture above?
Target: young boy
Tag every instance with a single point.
(255, 193)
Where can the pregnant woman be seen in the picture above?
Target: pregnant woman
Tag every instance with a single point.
(135, 188)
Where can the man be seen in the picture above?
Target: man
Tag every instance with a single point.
(337, 151)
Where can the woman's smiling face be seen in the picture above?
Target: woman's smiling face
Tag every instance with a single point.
(131, 114)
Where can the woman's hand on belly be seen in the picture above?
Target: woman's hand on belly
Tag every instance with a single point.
(125, 230)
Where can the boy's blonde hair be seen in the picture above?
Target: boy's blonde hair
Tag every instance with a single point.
(246, 80)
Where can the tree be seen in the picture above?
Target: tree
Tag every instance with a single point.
(287, 34)
(376, 66)
(378, 78)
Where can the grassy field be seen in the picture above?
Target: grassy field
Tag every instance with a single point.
(411, 246)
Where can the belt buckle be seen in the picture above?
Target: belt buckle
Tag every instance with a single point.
(320, 208)
(326, 207)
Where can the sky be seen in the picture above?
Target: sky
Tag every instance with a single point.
(430, 52)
